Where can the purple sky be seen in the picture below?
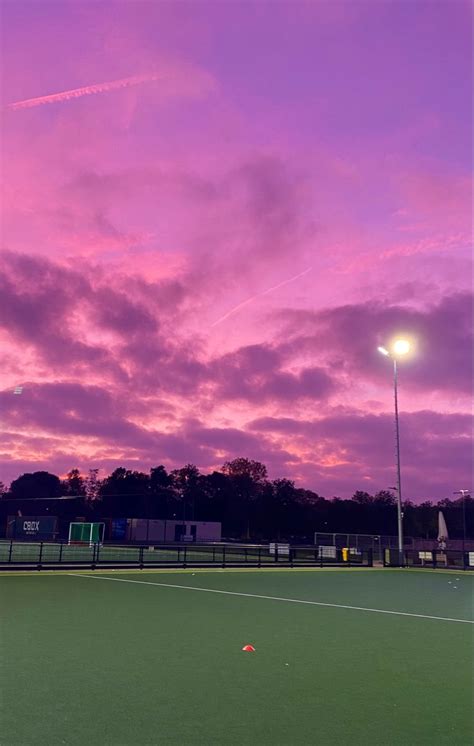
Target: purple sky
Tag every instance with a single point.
(204, 245)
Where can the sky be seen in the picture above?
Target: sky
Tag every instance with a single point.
(212, 215)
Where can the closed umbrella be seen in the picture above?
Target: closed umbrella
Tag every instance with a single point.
(442, 528)
(442, 532)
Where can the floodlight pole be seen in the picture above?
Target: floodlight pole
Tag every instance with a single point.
(463, 522)
(400, 347)
(463, 494)
(399, 478)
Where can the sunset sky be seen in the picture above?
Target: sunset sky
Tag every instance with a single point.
(213, 213)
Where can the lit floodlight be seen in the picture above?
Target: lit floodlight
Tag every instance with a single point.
(401, 347)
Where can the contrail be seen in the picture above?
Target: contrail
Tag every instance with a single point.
(259, 295)
(112, 85)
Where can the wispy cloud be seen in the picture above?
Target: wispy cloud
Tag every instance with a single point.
(259, 295)
(87, 90)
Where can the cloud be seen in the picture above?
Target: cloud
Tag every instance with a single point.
(355, 448)
(335, 454)
(90, 424)
(65, 314)
(347, 337)
(110, 372)
(254, 373)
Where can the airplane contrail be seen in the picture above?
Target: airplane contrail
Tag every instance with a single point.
(85, 91)
(259, 295)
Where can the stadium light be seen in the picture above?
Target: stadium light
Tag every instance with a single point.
(398, 348)
(401, 347)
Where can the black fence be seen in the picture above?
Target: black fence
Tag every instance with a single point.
(43, 555)
(451, 559)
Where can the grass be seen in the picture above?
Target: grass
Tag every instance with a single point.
(91, 660)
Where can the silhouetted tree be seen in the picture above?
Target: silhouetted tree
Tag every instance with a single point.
(74, 483)
(36, 485)
(247, 478)
(162, 496)
(241, 498)
(186, 483)
(384, 497)
(217, 491)
(363, 498)
(124, 492)
(282, 500)
(92, 485)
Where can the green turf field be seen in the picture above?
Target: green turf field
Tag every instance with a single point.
(94, 660)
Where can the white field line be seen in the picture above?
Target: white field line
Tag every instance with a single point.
(274, 598)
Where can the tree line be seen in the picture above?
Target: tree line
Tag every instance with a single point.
(242, 498)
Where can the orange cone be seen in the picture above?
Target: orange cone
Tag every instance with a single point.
(249, 648)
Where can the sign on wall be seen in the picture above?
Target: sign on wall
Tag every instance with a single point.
(35, 528)
(119, 528)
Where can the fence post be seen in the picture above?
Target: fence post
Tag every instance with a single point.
(140, 557)
(185, 554)
(40, 556)
(10, 552)
(259, 556)
(370, 558)
(276, 552)
(60, 552)
(97, 555)
(223, 555)
(93, 555)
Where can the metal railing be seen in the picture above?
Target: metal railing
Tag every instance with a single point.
(450, 559)
(376, 542)
(44, 555)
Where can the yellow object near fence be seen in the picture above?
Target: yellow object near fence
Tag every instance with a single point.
(345, 554)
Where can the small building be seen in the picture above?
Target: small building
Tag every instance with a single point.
(144, 530)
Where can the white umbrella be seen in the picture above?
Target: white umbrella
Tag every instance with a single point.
(442, 528)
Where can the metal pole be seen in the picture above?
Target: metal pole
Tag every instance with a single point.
(463, 522)
(463, 494)
(399, 479)
(166, 515)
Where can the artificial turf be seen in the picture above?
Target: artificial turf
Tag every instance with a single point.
(86, 660)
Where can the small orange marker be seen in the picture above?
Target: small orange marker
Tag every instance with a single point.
(249, 648)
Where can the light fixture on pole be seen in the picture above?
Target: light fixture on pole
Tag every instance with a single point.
(399, 348)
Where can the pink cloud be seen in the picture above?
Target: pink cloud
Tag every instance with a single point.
(348, 336)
